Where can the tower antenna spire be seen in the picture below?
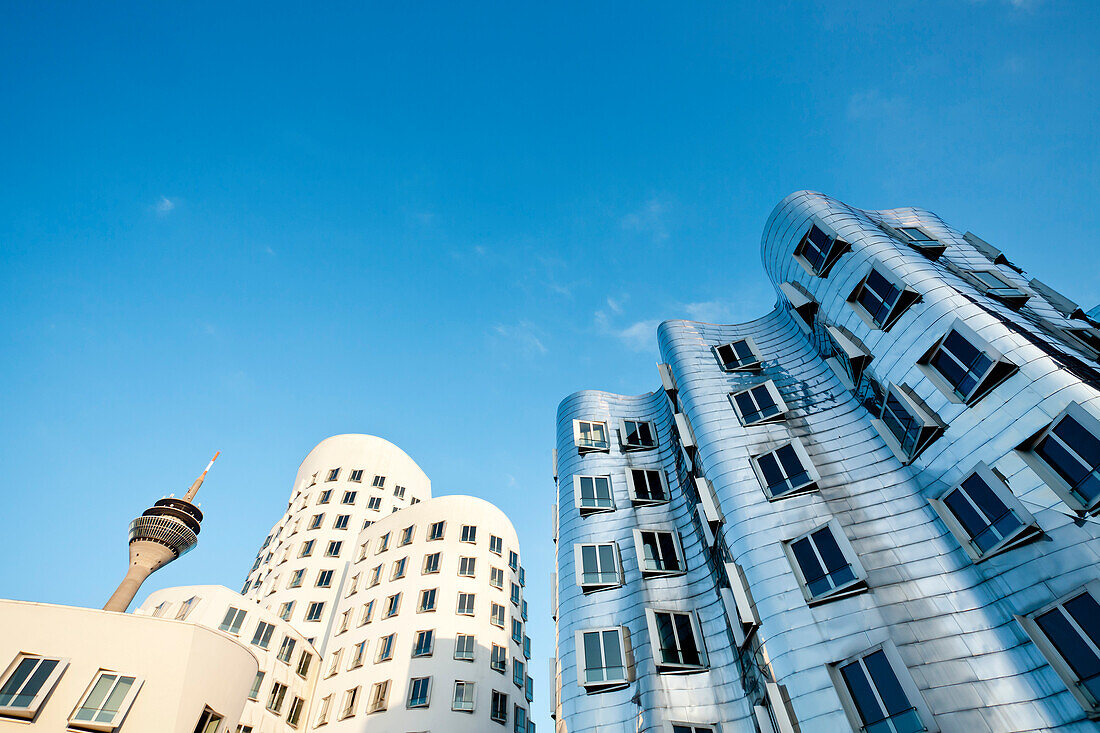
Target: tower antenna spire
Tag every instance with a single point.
(198, 482)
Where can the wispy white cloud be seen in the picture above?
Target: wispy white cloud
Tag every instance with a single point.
(523, 335)
(616, 306)
(637, 336)
(650, 219)
(165, 206)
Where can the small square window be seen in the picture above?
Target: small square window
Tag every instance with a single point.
(431, 564)
(589, 436)
(677, 641)
(659, 552)
(637, 434)
(464, 647)
(997, 285)
(877, 692)
(921, 241)
(785, 471)
(427, 601)
(963, 366)
(825, 564)
(463, 700)
(593, 494)
(406, 536)
(496, 544)
(333, 549)
(496, 615)
(465, 604)
(466, 566)
(341, 521)
(424, 644)
(325, 496)
(738, 356)
(399, 492)
(759, 404)
(1066, 456)
(907, 426)
(399, 568)
(984, 515)
(603, 659)
(435, 530)
(817, 251)
(324, 579)
(880, 299)
(262, 636)
(356, 475)
(233, 620)
(496, 577)
(349, 497)
(374, 503)
(647, 486)
(419, 691)
(597, 566)
(850, 357)
(314, 611)
(333, 474)
(379, 482)
(315, 522)
(296, 578)
(469, 533)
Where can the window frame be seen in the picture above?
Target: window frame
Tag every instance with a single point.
(592, 448)
(632, 489)
(803, 305)
(586, 510)
(31, 709)
(773, 392)
(678, 547)
(493, 716)
(427, 693)
(579, 571)
(1010, 293)
(905, 299)
(726, 366)
(466, 685)
(931, 247)
(850, 350)
(1051, 477)
(664, 667)
(999, 369)
(857, 585)
(473, 648)
(123, 706)
(416, 644)
(931, 425)
(1028, 529)
(836, 248)
(803, 458)
(623, 432)
(901, 674)
(425, 594)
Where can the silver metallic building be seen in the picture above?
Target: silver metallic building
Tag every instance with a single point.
(872, 509)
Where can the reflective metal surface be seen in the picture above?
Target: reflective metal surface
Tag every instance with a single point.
(951, 619)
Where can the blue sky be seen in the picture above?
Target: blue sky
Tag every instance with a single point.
(250, 228)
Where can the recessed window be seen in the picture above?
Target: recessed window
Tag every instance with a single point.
(738, 356)
(647, 486)
(427, 600)
(517, 631)
(314, 611)
(907, 426)
(375, 576)
(262, 636)
(399, 567)
(880, 299)
(921, 241)
(466, 566)
(515, 594)
(691, 728)
(1067, 632)
(464, 647)
(356, 475)
(275, 699)
(304, 661)
(984, 515)
(333, 474)
(817, 251)
(520, 719)
(513, 560)
(333, 549)
(419, 689)
(345, 621)
(659, 552)
(496, 577)
(759, 404)
(257, 682)
(603, 658)
(963, 366)
(593, 494)
(996, 285)
(425, 641)
(209, 722)
(435, 530)
(589, 435)
(637, 434)
(469, 533)
(393, 605)
(351, 702)
(325, 497)
(322, 714)
(803, 306)
(496, 615)
(379, 482)
(597, 566)
(383, 544)
(349, 497)
(315, 522)
(294, 715)
(825, 564)
(341, 521)
(285, 610)
(463, 700)
(677, 641)
(406, 536)
(465, 604)
(431, 564)
(785, 471)
(877, 693)
(374, 503)
(496, 544)
(233, 620)
(385, 648)
(296, 578)
(498, 658)
(1066, 455)
(399, 492)
(107, 701)
(498, 707)
(518, 672)
(368, 613)
(850, 357)
(27, 683)
(286, 650)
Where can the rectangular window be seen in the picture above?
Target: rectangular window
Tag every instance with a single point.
(597, 566)
(496, 544)
(603, 659)
(345, 621)
(357, 653)
(677, 641)
(498, 707)
(513, 560)
(29, 679)
(496, 577)
(498, 658)
(1067, 633)
(826, 564)
(921, 241)
(431, 564)
(515, 594)
(1066, 455)
(315, 522)
(375, 576)
(647, 486)
(659, 552)
(307, 548)
(593, 494)
(356, 475)
(880, 298)
(341, 521)
(464, 647)
(231, 623)
(374, 503)
(518, 672)
(399, 492)
(496, 615)
(385, 648)
(294, 715)
(469, 533)
(379, 481)
(759, 404)
(850, 357)
(803, 307)
(466, 566)
(905, 424)
(435, 530)
(520, 724)
(817, 251)
(427, 601)
(878, 694)
(590, 436)
(383, 544)
(334, 663)
(324, 497)
(368, 613)
(738, 356)
(393, 605)
(464, 696)
(963, 366)
(984, 515)
(257, 681)
(304, 660)
(351, 701)
(324, 579)
(425, 641)
(333, 474)
(785, 471)
(399, 567)
(107, 702)
(285, 610)
(286, 650)
(406, 535)
(637, 435)
(314, 610)
(996, 285)
(419, 688)
(349, 497)
(322, 714)
(186, 606)
(517, 631)
(275, 700)
(379, 697)
(262, 637)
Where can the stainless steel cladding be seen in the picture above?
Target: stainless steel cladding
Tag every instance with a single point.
(871, 509)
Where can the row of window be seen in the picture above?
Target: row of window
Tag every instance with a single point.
(30, 678)
(419, 696)
(591, 435)
(356, 475)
